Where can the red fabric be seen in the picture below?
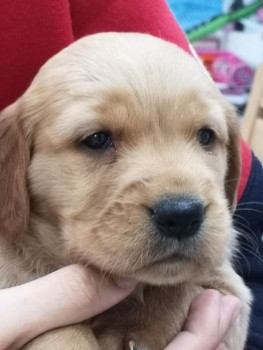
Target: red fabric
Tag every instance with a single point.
(145, 16)
(246, 156)
(32, 31)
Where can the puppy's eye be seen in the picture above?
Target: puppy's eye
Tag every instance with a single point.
(98, 141)
(205, 137)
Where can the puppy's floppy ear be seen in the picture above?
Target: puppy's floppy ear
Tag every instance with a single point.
(14, 158)
(234, 159)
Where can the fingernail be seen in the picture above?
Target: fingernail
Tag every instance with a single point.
(131, 345)
(125, 283)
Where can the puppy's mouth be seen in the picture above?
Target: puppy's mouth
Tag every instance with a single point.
(172, 254)
(177, 256)
(171, 259)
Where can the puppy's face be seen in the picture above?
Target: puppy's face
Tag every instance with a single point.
(133, 155)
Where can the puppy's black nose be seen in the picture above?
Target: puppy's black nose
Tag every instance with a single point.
(178, 217)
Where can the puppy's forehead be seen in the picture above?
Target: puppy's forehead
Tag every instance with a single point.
(157, 110)
(132, 82)
(125, 60)
(130, 114)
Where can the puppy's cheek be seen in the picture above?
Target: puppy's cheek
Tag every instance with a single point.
(217, 238)
(116, 246)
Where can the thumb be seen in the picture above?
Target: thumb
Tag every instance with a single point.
(211, 315)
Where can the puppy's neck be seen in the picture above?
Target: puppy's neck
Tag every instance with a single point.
(44, 239)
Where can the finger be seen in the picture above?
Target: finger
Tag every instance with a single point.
(206, 323)
(204, 313)
(229, 311)
(213, 312)
(81, 294)
(203, 318)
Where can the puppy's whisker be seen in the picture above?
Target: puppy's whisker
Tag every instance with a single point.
(232, 180)
(244, 228)
(255, 255)
(143, 256)
(252, 245)
(249, 203)
(242, 219)
(253, 250)
(250, 210)
(104, 269)
(238, 264)
(238, 206)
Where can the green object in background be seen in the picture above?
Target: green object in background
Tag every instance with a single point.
(223, 20)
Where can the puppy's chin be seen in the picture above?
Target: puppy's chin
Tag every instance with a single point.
(177, 269)
(165, 270)
(169, 272)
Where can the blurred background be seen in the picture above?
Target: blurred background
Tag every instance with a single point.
(228, 38)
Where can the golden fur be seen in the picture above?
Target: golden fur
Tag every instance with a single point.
(91, 207)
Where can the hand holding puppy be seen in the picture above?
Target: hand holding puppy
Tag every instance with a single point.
(210, 317)
(71, 295)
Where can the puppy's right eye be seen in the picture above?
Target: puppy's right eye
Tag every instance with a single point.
(98, 141)
(205, 137)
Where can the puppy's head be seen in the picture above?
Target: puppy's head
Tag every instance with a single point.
(133, 152)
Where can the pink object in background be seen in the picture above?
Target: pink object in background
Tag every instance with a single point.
(227, 68)
(260, 15)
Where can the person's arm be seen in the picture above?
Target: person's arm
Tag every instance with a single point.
(67, 296)
(71, 295)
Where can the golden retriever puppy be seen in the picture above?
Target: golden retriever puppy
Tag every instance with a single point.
(123, 155)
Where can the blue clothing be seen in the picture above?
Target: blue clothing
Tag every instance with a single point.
(248, 219)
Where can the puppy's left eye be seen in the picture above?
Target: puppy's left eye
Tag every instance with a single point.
(98, 141)
(205, 137)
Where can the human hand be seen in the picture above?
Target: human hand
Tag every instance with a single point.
(30, 309)
(211, 315)
(67, 296)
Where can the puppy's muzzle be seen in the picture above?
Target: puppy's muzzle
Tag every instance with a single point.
(178, 217)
